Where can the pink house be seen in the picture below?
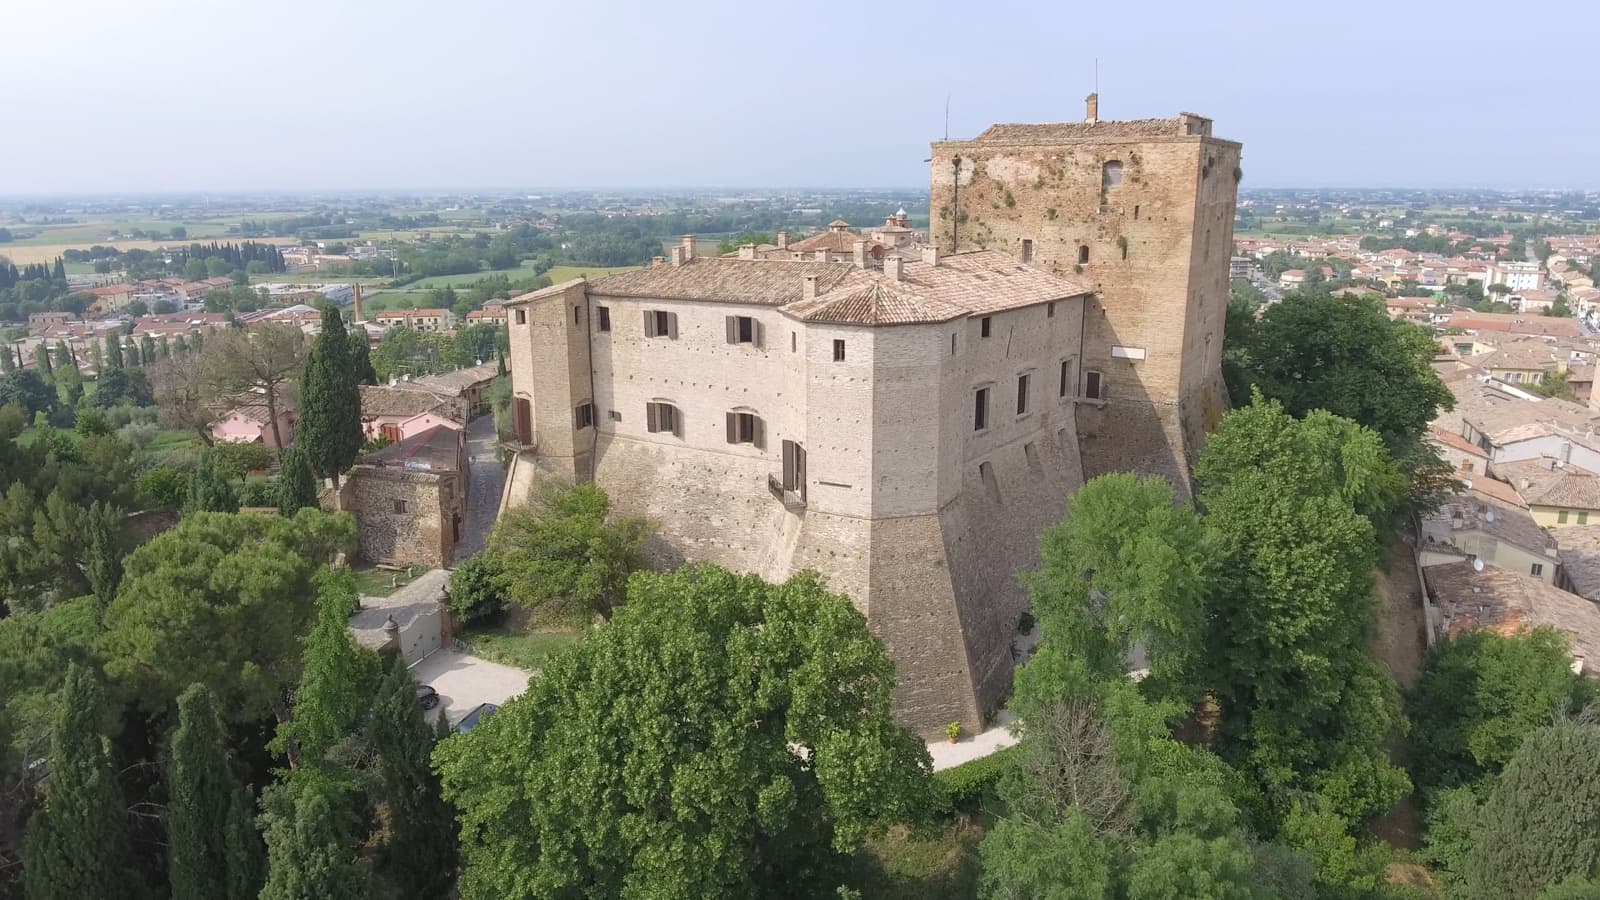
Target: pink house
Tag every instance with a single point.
(397, 428)
(249, 424)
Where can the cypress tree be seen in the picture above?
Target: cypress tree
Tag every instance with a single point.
(165, 348)
(96, 357)
(64, 357)
(134, 357)
(361, 357)
(7, 364)
(41, 361)
(419, 857)
(105, 557)
(61, 270)
(77, 843)
(113, 355)
(209, 491)
(205, 845)
(297, 484)
(330, 402)
(311, 841)
(338, 680)
(1541, 822)
(147, 349)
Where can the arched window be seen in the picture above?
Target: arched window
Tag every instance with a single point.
(1111, 175)
(1083, 254)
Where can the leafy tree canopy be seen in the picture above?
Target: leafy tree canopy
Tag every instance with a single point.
(567, 546)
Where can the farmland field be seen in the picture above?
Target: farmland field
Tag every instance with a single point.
(25, 253)
(559, 274)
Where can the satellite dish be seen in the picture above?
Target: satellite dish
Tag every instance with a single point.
(1477, 565)
(1489, 515)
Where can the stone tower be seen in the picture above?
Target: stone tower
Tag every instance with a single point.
(1143, 210)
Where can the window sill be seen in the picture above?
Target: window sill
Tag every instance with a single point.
(1092, 401)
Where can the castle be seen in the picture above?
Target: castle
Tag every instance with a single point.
(905, 419)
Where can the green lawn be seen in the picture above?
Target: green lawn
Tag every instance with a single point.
(906, 865)
(559, 274)
(439, 281)
(383, 582)
(515, 647)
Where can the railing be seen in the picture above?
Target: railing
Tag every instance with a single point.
(790, 499)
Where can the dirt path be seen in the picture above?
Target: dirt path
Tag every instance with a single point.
(1399, 642)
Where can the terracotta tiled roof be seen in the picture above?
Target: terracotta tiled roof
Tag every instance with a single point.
(433, 450)
(833, 241)
(1058, 131)
(1509, 602)
(1580, 558)
(976, 283)
(393, 400)
(1542, 484)
(1518, 324)
(1457, 442)
(451, 383)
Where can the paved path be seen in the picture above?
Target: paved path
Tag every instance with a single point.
(487, 480)
(947, 755)
(465, 681)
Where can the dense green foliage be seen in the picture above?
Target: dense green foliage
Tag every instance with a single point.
(567, 546)
(311, 832)
(720, 737)
(417, 851)
(209, 490)
(330, 402)
(297, 484)
(210, 854)
(77, 842)
(337, 680)
(475, 589)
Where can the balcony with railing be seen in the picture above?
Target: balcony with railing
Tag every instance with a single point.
(795, 500)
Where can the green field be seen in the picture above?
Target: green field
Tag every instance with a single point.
(439, 281)
(559, 274)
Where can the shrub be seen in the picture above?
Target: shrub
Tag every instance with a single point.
(258, 493)
(474, 593)
(139, 434)
(163, 486)
(964, 788)
(953, 731)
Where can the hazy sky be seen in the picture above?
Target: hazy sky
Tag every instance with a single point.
(158, 95)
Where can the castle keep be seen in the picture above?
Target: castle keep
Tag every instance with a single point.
(905, 419)
(1142, 211)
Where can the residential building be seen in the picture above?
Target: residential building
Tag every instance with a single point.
(431, 320)
(1486, 521)
(249, 423)
(1579, 549)
(1465, 596)
(1518, 276)
(1292, 279)
(409, 499)
(40, 322)
(1557, 494)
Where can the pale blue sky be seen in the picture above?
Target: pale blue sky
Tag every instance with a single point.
(170, 95)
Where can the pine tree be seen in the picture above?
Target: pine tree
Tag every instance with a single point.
(105, 557)
(419, 857)
(77, 842)
(209, 491)
(204, 842)
(330, 402)
(338, 678)
(361, 357)
(311, 841)
(297, 484)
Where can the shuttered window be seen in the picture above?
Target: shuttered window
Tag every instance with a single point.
(663, 418)
(746, 428)
(743, 330)
(522, 419)
(794, 468)
(583, 416)
(603, 317)
(660, 323)
(1093, 385)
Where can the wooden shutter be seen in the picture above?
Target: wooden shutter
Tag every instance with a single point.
(649, 323)
(522, 419)
(733, 428)
(788, 465)
(800, 470)
(758, 433)
(677, 421)
(755, 331)
(672, 325)
(650, 418)
(732, 323)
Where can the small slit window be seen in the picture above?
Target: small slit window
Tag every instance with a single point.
(1083, 254)
(838, 351)
(991, 486)
(402, 506)
(1022, 394)
(1027, 250)
(1050, 310)
(1066, 378)
(983, 326)
(603, 318)
(980, 409)
(522, 317)
(1111, 175)
(577, 315)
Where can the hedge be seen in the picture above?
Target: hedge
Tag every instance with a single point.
(963, 788)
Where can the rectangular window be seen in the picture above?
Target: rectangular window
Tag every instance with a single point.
(794, 341)
(1027, 250)
(746, 428)
(660, 323)
(402, 506)
(522, 317)
(794, 468)
(1022, 394)
(1066, 378)
(577, 315)
(1031, 454)
(1561, 517)
(983, 327)
(743, 330)
(1093, 385)
(1583, 517)
(583, 416)
(391, 433)
(980, 409)
(1537, 569)
(1050, 310)
(604, 317)
(663, 417)
(838, 351)
(613, 415)
(952, 344)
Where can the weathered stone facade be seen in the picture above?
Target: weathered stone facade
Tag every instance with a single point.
(1145, 211)
(409, 500)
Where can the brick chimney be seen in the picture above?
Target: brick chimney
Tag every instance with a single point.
(819, 255)
(747, 251)
(1093, 115)
(930, 255)
(860, 248)
(688, 246)
(894, 266)
(677, 256)
(783, 240)
(357, 314)
(808, 291)
(657, 260)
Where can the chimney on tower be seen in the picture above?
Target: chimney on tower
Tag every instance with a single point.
(358, 316)
(1093, 116)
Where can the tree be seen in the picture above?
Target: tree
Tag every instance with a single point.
(209, 490)
(330, 415)
(262, 359)
(1541, 822)
(208, 854)
(105, 557)
(113, 355)
(237, 459)
(69, 380)
(739, 772)
(567, 547)
(297, 484)
(475, 589)
(1345, 355)
(118, 387)
(27, 390)
(223, 600)
(1481, 693)
(41, 361)
(1292, 506)
(418, 850)
(361, 357)
(338, 676)
(77, 842)
(311, 840)
(185, 402)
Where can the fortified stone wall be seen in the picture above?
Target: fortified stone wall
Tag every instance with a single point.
(419, 535)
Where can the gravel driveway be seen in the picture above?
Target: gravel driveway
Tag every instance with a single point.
(465, 681)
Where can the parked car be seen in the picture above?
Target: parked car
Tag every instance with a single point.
(479, 713)
(427, 696)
